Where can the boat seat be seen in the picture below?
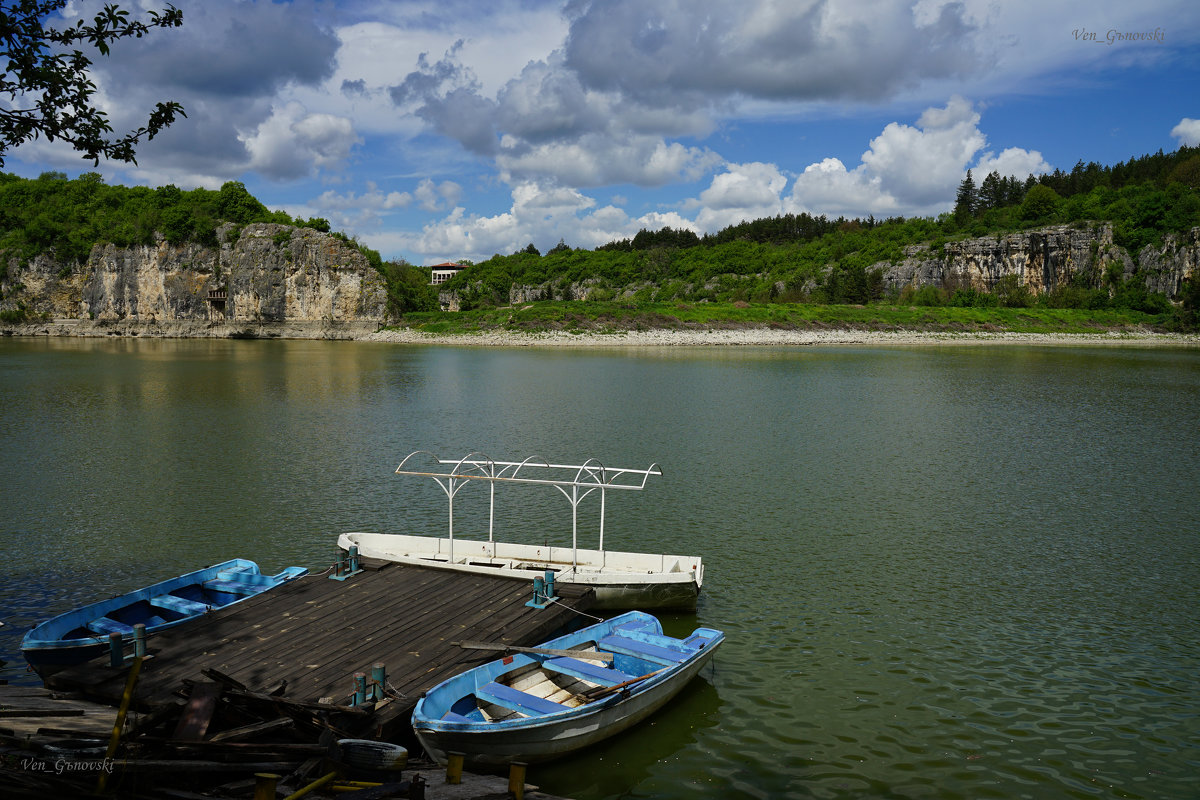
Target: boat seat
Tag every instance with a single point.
(450, 716)
(178, 604)
(640, 649)
(107, 625)
(698, 642)
(233, 587)
(588, 671)
(528, 704)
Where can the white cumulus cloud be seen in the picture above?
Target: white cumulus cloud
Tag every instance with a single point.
(292, 142)
(743, 192)
(1187, 132)
(910, 170)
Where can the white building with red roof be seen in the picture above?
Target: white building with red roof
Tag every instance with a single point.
(444, 272)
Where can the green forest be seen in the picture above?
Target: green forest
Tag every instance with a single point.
(67, 218)
(787, 259)
(818, 260)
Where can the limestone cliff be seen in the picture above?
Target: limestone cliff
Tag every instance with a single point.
(263, 276)
(1045, 259)
(1041, 260)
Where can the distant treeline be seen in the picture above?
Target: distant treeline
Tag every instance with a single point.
(68, 217)
(998, 202)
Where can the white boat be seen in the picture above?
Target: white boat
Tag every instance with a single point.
(571, 692)
(621, 580)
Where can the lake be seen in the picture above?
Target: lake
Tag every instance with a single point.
(944, 571)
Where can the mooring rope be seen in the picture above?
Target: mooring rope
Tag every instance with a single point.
(576, 610)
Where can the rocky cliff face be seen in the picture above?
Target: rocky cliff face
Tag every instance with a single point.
(1167, 267)
(262, 275)
(1041, 260)
(1045, 259)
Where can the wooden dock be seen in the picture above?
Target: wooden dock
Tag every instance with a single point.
(268, 686)
(315, 634)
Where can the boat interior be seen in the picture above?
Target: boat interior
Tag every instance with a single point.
(549, 685)
(189, 600)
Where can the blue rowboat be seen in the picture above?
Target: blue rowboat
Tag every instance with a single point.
(546, 702)
(83, 634)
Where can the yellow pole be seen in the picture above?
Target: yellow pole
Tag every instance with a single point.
(264, 785)
(115, 739)
(317, 784)
(454, 767)
(516, 780)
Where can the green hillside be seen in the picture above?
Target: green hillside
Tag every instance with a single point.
(788, 259)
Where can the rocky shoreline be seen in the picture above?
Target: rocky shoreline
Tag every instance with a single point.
(663, 337)
(766, 337)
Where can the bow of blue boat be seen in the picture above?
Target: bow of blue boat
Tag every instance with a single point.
(83, 633)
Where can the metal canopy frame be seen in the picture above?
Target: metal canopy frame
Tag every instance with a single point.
(589, 476)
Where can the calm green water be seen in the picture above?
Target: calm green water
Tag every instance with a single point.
(954, 572)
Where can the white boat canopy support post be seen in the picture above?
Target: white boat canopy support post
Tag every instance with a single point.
(588, 477)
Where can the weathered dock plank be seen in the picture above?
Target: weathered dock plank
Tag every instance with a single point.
(315, 633)
(27, 711)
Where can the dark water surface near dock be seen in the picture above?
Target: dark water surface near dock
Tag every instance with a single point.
(944, 572)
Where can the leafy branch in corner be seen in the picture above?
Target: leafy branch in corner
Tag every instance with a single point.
(46, 89)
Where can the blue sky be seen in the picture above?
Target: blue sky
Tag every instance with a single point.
(456, 129)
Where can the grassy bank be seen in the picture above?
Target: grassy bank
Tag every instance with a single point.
(617, 317)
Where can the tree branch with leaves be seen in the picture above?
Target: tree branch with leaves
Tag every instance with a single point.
(46, 89)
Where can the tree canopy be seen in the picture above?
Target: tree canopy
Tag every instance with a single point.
(46, 88)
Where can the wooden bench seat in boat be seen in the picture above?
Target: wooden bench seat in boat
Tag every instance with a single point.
(108, 625)
(516, 700)
(233, 587)
(170, 602)
(642, 649)
(605, 676)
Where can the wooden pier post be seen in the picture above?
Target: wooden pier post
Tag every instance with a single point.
(116, 650)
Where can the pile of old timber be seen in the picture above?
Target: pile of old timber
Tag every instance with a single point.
(213, 738)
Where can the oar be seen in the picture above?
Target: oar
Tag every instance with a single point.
(543, 651)
(604, 691)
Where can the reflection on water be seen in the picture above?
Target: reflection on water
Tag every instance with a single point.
(945, 572)
(648, 756)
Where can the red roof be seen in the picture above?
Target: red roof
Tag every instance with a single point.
(449, 265)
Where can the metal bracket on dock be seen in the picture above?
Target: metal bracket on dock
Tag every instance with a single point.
(543, 591)
(346, 567)
(369, 690)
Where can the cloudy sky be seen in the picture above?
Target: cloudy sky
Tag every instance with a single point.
(455, 129)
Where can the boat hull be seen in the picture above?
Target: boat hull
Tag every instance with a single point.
(82, 634)
(542, 738)
(621, 580)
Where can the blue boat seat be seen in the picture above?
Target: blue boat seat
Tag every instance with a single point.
(107, 625)
(528, 704)
(234, 587)
(170, 602)
(588, 671)
(636, 647)
(450, 716)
